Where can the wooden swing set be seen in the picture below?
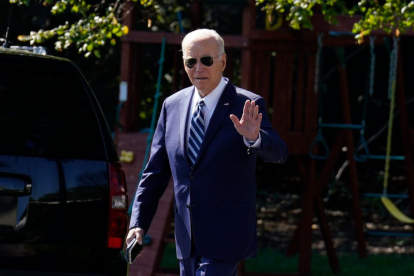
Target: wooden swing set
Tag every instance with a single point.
(281, 66)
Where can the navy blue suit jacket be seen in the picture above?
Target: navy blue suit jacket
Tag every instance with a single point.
(217, 197)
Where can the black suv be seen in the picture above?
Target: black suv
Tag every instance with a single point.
(63, 202)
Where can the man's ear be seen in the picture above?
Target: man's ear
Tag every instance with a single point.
(223, 62)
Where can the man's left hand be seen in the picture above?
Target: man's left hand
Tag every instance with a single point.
(249, 124)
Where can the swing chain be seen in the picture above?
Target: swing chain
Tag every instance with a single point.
(372, 65)
(318, 57)
(393, 67)
(391, 95)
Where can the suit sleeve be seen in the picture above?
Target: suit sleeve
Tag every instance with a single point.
(272, 148)
(154, 179)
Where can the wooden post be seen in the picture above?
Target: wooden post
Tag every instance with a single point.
(404, 128)
(321, 182)
(246, 64)
(129, 71)
(326, 234)
(346, 113)
(305, 233)
(196, 15)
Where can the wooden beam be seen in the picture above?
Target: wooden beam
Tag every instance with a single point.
(344, 37)
(289, 38)
(146, 37)
(345, 23)
(255, 39)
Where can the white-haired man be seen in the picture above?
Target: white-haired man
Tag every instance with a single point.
(208, 138)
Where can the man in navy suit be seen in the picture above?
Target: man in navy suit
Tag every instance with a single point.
(211, 155)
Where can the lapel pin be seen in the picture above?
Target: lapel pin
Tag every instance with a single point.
(226, 104)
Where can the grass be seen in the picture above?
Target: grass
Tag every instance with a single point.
(274, 260)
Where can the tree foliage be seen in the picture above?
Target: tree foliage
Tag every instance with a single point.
(391, 16)
(299, 13)
(95, 23)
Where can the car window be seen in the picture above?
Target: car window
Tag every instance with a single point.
(45, 111)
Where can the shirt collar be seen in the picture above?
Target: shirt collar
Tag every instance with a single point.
(213, 97)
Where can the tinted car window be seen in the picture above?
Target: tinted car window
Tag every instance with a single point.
(46, 112)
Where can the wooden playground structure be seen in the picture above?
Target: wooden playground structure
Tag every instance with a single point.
(280, 66)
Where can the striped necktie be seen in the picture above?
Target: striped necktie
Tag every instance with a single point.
(196, 132)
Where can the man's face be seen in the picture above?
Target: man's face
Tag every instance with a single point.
(204, 78)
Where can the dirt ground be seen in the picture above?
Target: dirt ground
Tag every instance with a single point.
(279, 214)
(279, 195)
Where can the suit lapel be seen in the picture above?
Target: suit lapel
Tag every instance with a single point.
(222, 110)
(184, 109)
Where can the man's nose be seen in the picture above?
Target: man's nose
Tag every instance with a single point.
(199, 65)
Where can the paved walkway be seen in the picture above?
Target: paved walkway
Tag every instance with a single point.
(136, 142)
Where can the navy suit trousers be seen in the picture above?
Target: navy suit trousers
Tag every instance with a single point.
(197, 265)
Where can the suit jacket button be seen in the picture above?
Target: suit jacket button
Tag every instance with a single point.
(192, 178)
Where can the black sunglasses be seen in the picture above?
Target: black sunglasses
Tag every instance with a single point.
(206, 60)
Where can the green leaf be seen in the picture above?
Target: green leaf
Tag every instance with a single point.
(75, 9)
(97, 53)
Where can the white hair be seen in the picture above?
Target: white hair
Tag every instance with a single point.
(203, 34)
